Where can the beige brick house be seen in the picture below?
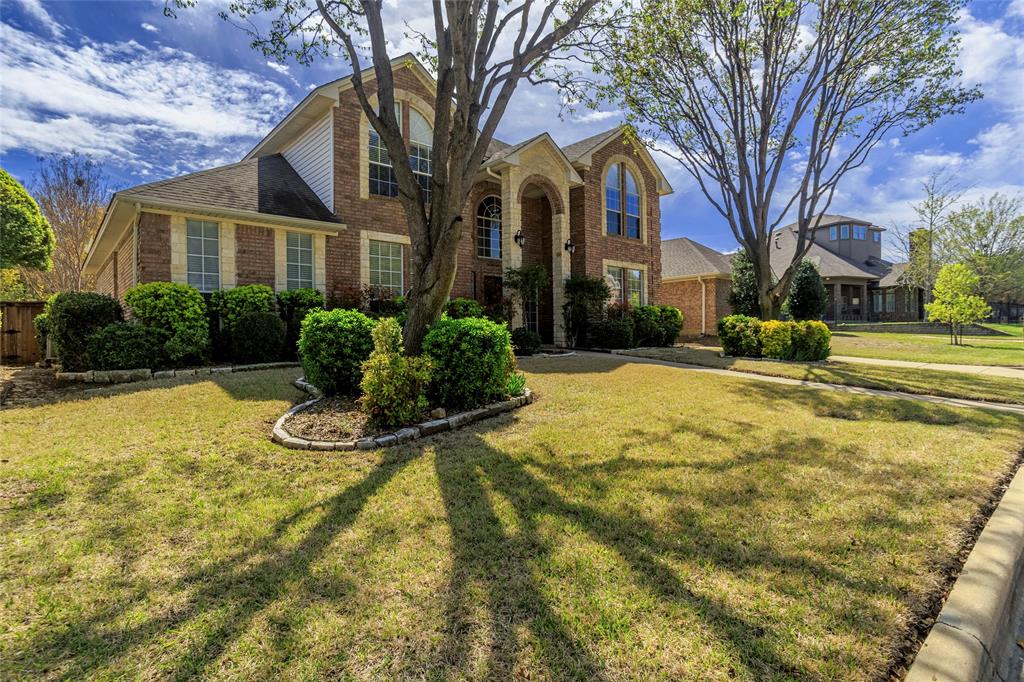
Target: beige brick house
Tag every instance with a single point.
(314, 205)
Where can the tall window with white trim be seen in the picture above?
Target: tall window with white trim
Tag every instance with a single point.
(203, 254)
(622, 202)
(488, 228)
(300, 260)
(386, 266)
(382, 172)
(421, 140)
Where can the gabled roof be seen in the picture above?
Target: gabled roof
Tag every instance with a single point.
(684, 257)
(267, 185)
(827, 219)
(829, 264)
(581, 154)
(510, 155)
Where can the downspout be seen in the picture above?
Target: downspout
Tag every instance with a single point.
(135, 245)
(703, 306)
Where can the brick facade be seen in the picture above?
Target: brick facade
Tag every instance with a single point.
(125, 265)
(254, 255)
(472, 269)
(686, 295)
(154, 247)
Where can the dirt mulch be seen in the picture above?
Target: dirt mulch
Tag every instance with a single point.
(30, 385)
(337, 418)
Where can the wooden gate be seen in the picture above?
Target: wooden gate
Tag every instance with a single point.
(18, 333)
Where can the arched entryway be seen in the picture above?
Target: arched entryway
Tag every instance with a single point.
(539, 203)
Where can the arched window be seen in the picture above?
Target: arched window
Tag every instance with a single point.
(622, 202)
(488, 228)
(382, 173)
(421, 140)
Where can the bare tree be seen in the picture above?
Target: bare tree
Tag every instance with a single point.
(72, 191)
(768, 104)
(480, 51)
(920, 243)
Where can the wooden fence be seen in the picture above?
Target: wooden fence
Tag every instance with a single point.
(18, 333)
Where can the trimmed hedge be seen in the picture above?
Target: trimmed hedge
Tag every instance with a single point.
(525, 341)
(178, 311)
(458, 308)
(740, 335)
(656, 325)
(612, 333)
(671, 320)
(294, 305)
(232, 304)
(126, 346)
(334, 344)
(585, 299)
(257, 337)
(393, 385)
(472, 360)
(744, 336)
(75, 316)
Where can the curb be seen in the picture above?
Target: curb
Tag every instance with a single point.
(121, 376)
(281, 436)
(973, 638)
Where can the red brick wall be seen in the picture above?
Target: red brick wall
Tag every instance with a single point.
(536, 226)
(686, 295)
(382, 214)
(469, 278)
(154, 248)
(586, 221)
(125, 264)
(254, 255)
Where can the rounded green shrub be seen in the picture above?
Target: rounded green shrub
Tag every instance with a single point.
(458, 308)
(294, 305)
(73, 317)
(777, 339)
(179, 312)
(257, 337)
(232, 304)
(740, 336)
(585, 300)
(333, 345)
(670, 319)
(647, 329)
(394, 386)
(42, 324)
(525, 341)
(614, 332)
(812, 340)
(807, 298)
(472, 360)
(126, 346)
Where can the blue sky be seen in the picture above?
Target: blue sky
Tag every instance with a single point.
(152, 97)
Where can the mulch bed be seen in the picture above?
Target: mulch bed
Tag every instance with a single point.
(337, 418)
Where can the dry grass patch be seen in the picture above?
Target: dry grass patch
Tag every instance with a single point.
(638, 521)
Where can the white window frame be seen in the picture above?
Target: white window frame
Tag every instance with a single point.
(844, 231)
(382, 152)
(421, 153)
(621, 291)
(299, 282)
(484, 225)
(400, 289)
(204, 242)
(876, 236)
(833, 234)
(860, 233)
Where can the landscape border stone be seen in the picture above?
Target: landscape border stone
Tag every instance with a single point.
(974, 637)
(281, 436)
(119, 376)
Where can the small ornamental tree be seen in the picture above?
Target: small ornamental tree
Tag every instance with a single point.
(807, 297)
(743, 295)
(26, 238)
(955, 302)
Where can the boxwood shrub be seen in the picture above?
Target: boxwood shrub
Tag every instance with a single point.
(670, 320)
(647, 329)
(178, 311)
(611, 333)
(75, 316)
(126, 346)
(232, 304)
(740, 335)
(525, 341)
(458, 308)
(776, 339)
(472, 359)
(293, 305)
(812, 340)
(334, 344)
(394, 386)
(257, 337)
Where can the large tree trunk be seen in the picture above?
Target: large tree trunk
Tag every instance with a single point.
(432, 283)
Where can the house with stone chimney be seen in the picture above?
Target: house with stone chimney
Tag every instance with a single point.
(314, 204)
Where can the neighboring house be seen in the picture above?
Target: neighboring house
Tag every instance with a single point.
(861, 284)
(314, 205)
(696, 279)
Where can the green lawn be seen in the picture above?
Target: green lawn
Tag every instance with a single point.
(977, 350)
(1016, 330)
(906, 379)
(638, 521)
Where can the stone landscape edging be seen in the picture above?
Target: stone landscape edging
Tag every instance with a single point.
(974, 637)
(281, 436)
(120, 376)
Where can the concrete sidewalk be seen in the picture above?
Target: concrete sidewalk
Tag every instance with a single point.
(934, 399)
(987, 370)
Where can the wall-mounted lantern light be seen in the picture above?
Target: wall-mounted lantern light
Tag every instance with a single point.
(569, 246)
(520, 238)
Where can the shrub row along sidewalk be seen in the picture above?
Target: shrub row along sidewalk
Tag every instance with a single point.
(918, 381)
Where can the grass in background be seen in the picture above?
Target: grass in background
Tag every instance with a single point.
(977, 350)
(638, 521)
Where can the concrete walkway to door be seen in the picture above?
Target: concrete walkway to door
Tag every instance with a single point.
(987, 370)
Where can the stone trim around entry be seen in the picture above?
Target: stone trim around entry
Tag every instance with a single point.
(281, 436)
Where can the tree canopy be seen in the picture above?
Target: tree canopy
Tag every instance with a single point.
(955, 300)
(26, 238)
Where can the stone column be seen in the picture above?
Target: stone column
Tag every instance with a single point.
(560, 267)
(864, 301)
(511, 222)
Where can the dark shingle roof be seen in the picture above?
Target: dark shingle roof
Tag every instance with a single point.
(579, 148)
(829, 264)
(267, 184)
(684, 257)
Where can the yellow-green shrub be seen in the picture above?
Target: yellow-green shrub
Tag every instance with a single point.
(393, 385)
(812, 340)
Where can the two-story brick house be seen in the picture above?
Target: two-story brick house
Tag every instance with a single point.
(314, 205)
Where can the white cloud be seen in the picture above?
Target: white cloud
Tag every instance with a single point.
(38, 13)
(280, 68)
(146, 26)
(127, 104)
